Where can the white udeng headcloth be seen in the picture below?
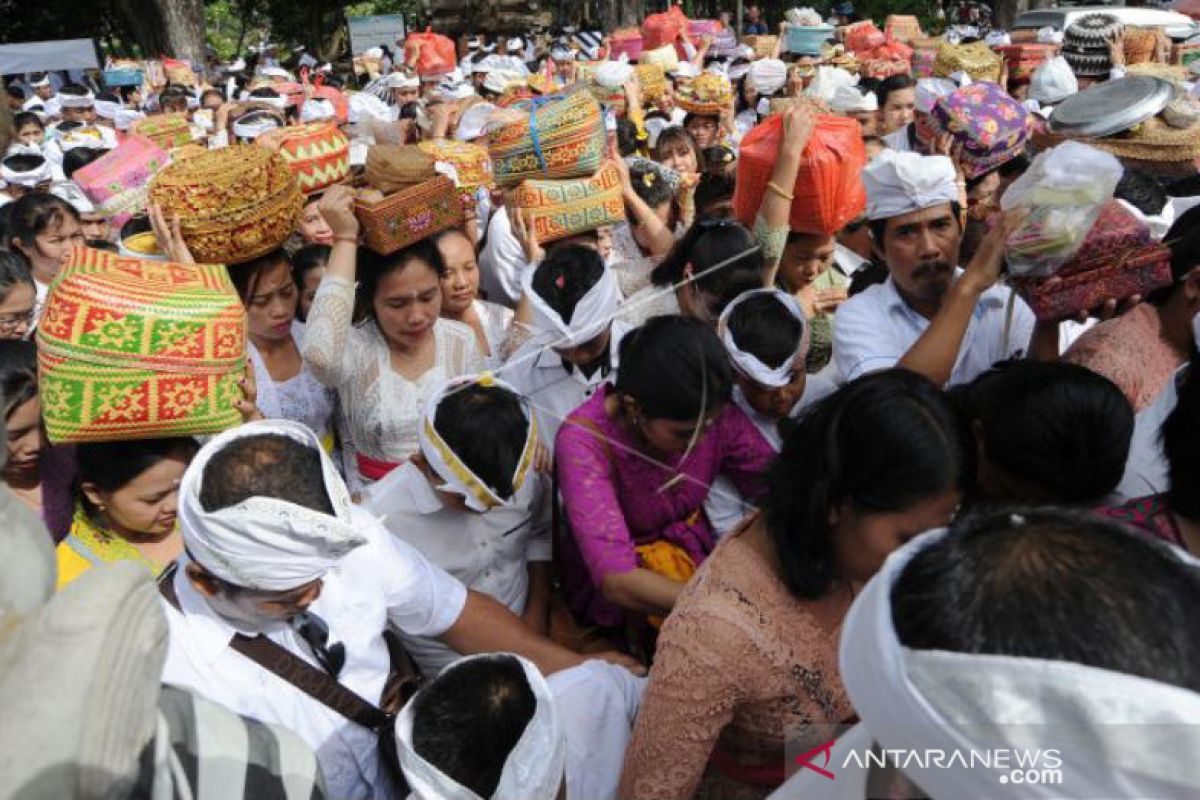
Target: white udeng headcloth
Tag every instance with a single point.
(590, 318)
(1118, 735)
(445, 462)
(748, 363)
(264, 543)
(534, 769)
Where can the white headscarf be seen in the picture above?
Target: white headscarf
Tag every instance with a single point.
(1053, 82)
(748, 363)
(264, 543)
(768, 75)
(534, 769)
(30, 178)
(363, 106)
(474, 122)
(614, 74)
(84, 100)
(72, 194)
(315, 109)
(591, 317)
(1118, 735)
(399, 80)
(899, 183)
(828, 80)
(930, 90)
(459, 478)
(254, 124)
(848, 99)
(500, 79)
(107, 109)
(126, 117)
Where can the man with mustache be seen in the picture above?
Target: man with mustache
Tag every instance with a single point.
(930, 316)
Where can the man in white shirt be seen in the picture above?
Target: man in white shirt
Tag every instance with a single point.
(918, 135)
(930, 317)
(492, 726)
(573, 297)
(277, 557)
(472, 502)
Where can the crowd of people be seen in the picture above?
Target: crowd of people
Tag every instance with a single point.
(649, 509)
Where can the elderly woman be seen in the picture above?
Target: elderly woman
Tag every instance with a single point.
(747, 667)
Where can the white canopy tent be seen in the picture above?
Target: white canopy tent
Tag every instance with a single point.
(65, 54)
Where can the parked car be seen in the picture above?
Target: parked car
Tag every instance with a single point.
(1177, 26)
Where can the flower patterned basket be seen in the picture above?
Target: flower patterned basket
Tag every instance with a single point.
(410, 215)
(565, 208)
(558, 136)
(130, 348)
(117, 181)
(318, 153)
(707, 94)
(165, 130)
(990, 125)
(471, 162)
(234, 204)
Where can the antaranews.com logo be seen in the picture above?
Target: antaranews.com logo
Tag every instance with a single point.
(1012, 765)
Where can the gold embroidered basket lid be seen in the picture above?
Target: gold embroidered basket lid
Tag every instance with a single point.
(220, 181)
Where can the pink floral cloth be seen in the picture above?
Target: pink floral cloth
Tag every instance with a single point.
(990, 125)
(614, 498)
(1131, 352)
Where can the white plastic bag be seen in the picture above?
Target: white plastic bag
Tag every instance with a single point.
(803, 17)
(1064, 190)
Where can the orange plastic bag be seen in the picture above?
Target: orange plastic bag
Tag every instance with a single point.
(664, 28)
(829, 191)
(862, 36)
(437, 53)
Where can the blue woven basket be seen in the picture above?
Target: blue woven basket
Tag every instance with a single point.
(806, 40)
(122, 77)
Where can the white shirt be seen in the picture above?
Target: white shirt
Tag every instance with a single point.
(875, 328)
(898, 140)
(301, 398)
(537, 372)
(502, 263)
(383, 582)
(725, 505)
(489, 553)
(597, 704)
(496, 320)
(1146, 469)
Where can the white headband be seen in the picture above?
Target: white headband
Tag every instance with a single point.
(591, 317)
(533, 770)
(263, 543)
(748, 363)
(126, 117)
(71, 193)
(76, 101)
(254, 125)
(1117, 735)
(459, 478)
(398, 80)
(280, 103)
(107, 109)
(315, 109)
(30, 179)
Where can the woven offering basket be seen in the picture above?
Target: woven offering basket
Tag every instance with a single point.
(318, 153)
(559, 136)
(397, 220)
(565, 208)
(130, 348)
(234, 204)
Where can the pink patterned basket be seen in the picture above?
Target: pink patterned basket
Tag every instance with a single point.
(118, 181)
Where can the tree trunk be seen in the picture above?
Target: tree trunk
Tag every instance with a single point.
(183, 24)
(1006, 11)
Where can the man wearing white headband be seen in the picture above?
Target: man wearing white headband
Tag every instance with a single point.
(78, 104)
(405, 87)
(574, 299)
(94, 224)
(284, 576)
(250, 126)
(473, 503)
(971, 644)
(25, 173)
(756, 328)
(850, 102)
(317, 110)
(491, 726)
(948, 324)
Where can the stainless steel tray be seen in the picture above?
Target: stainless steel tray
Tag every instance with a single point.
(1112, 106)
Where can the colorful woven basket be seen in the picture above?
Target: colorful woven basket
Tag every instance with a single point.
(165, 130)
(318, 153)
(406, 217)
(707, 94)
(1115, 276)
(560, 136)
(134, 349)
(234, 204)
(903, 28)
(764, 46)
(1024, 59)
(925, 50)
(975, 59)
(117, 181)
(471, 162)
(565, 208)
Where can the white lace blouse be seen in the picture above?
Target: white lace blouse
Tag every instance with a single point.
(300, 398)
(379, 409)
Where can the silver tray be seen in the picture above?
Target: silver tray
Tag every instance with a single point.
(1112, 106)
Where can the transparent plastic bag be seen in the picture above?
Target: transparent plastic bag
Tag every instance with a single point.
(1064, 189)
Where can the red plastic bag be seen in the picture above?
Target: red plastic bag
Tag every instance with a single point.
(890, 58)
(863, 36)
(664, 28)
(829, 191)
(437, 54)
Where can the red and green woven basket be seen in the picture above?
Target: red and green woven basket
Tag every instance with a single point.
(135, 349)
